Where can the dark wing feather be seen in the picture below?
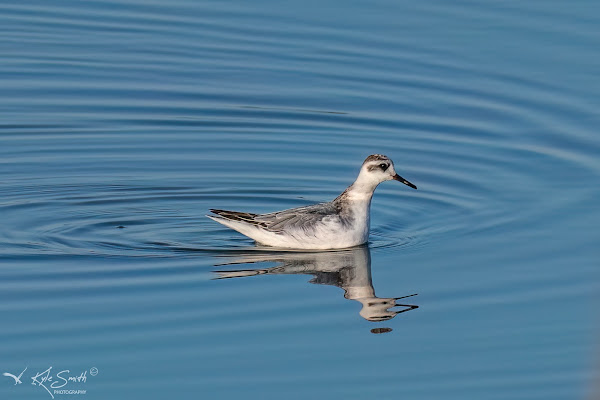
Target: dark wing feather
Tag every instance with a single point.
(239, 216)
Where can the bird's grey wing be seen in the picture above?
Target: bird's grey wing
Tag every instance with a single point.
(301, 218)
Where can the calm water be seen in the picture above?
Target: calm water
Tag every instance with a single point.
(121, 124)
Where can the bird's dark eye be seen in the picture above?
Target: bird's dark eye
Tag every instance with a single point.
(383, 166)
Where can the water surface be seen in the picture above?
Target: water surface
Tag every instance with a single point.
(122, 124)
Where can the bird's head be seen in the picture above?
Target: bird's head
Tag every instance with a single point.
(378, 168)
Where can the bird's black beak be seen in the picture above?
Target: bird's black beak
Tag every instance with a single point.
(401, 179)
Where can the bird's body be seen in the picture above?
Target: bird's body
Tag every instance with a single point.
(336, 224)
(341, 223)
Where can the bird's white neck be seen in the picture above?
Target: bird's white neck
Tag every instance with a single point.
(362, 189)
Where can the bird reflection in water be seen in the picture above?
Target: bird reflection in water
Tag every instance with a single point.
(347, 269)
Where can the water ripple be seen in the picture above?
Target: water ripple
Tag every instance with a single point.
(123, 123)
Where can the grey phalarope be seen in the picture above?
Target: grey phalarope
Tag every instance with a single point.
(341, 223)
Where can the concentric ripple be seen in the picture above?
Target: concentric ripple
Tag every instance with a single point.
(123, 123)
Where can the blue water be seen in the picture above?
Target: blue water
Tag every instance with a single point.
(121, 124)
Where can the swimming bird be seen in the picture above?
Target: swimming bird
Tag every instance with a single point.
(341, 223)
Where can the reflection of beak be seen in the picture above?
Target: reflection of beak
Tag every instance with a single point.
(401, 179)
